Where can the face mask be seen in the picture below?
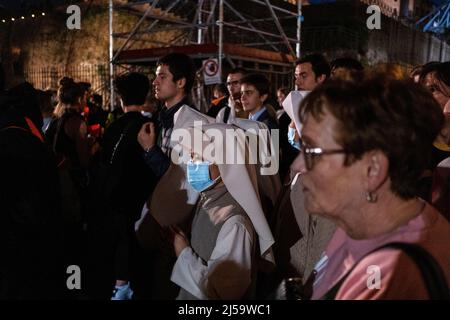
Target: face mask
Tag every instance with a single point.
(146, 114)
(198, 175)
(291, 136)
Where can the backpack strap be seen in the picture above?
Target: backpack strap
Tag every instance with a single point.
(430, 271)
(125, 134)
(34, 130)
(226, 114)
(31, 129)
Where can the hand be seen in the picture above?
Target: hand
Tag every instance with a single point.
(179, 240)
(292, 124)
(147, 136)
(296, 136)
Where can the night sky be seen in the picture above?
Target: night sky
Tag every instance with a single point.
(14, 5)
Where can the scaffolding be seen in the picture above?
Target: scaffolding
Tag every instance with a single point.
(437, 21)
(260, 35)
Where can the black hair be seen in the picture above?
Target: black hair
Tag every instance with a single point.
(318, 62)
(133, 88)
(180, 66)
(259, 81)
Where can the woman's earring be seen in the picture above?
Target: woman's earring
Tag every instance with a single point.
(371, 197)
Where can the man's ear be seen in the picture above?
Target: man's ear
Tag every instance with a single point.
(321, 78)
(263, 97)
(181, 83)
(376, 169)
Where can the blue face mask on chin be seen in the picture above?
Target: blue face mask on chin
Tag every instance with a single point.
(198, 175)
(291, 139)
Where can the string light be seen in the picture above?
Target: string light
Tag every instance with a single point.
(21, 17)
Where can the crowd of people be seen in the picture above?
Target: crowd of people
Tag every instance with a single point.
(359, 207)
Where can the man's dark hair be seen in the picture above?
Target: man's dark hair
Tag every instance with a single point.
(133, 88)
(180, 66)
(259, 81)
(318, 62)
(346, 63)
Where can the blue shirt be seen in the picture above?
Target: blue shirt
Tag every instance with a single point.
(255, 116)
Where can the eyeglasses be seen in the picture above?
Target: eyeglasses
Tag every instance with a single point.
(233, 83)
(311, 155)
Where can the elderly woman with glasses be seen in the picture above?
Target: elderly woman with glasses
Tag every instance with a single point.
(365, 147)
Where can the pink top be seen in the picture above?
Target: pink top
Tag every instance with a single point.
(399, 276)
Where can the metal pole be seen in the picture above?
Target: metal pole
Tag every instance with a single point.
(279, 27)
(199, 41)
(220, 23)
(136, 27)
(258, 31)
(111, 54)
(299, 27)
(194, 21)
(172, 5)
(240, 16)
(212, 10)
(199, 21)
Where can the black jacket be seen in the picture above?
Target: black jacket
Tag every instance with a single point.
(130, 181)
(268, 120)
(31, 264)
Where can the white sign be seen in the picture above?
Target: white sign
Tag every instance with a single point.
(291, 105)
(211, 71)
